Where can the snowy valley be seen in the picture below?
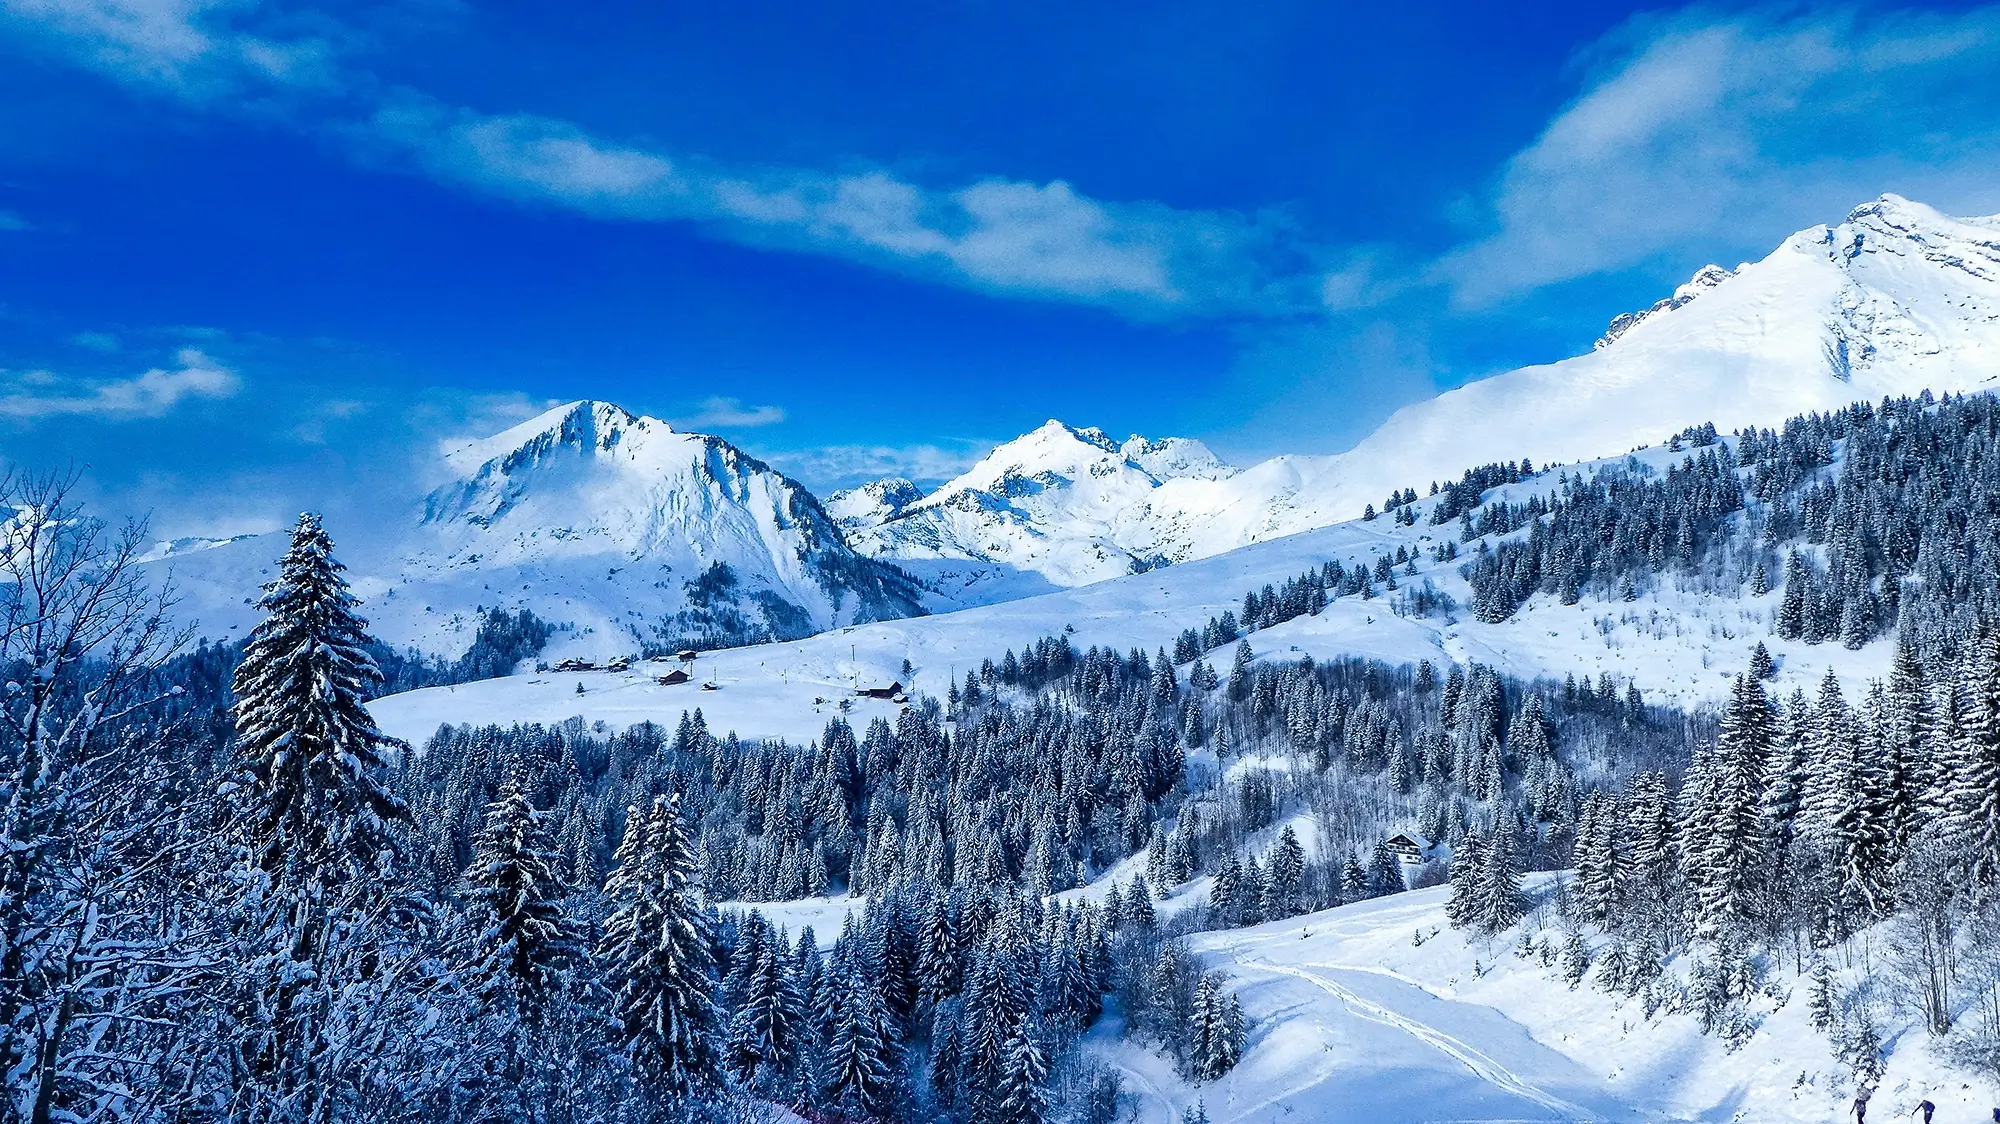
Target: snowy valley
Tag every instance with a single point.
(1616, 739)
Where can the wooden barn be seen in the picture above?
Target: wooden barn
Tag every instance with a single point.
(672, 678)
(888, 692)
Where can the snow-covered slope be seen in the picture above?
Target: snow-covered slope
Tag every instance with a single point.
(1896, 299)
(595, 518)
(1379, 1011)
(1679, 647)
(1069, 505)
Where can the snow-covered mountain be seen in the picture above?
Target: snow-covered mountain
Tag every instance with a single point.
(592, 517)
(1070, 505)
(1894, 300)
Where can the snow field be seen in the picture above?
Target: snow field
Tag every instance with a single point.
(1353, 1020)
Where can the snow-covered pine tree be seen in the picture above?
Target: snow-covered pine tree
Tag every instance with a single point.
(1139, 912)
(1575, 959)
(1284, 891)
(1501, 901)
(1023, 1093)
(1972, 799)
(1225, 892)
(1215, 1030)
(1385, 872)
(862, 1049)
(313, 750)
(656, 956)
(1467, 864)
(1239, 672)
(527, 938)
(765, 1031)
(1597, 857)
(1724, 844)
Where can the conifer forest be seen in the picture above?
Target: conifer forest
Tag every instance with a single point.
(226, 895)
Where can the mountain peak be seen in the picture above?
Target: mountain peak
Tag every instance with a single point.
(586, 424)
(1704, 279)
(1897, 210)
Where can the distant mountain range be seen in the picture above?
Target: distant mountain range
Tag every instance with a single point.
(1895, 300)
(632, 535)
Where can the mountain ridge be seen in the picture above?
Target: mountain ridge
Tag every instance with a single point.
(1895, 299)
(625, 533)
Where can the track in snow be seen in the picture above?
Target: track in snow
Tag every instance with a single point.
(1478, 1062)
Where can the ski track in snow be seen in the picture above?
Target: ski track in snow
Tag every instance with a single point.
(1479, 1063)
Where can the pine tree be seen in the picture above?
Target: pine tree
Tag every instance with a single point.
(1597, 857)
(1215, 1031)
(656, 956)
(863, 1049)
(1284, 894)
(1823, 1007)
(1795, 603)
(1972, 798)
(1385, 872)
(1910, 770)
(765, 1031)
(1024, 1095)
(1575, 959)
(1501, 901)
(937, 954)
(528, 938)
(1724, 835)
(1139, 911)
(1225, 893)
(1239, 672)
(1761, 666)
(1468, 863)
(300, 724)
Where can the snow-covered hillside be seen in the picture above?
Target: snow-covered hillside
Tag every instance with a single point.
(592, 517)
(1678, 646)
(1896, 299)
(1379, 1011)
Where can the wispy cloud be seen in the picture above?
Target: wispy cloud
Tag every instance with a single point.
(12, 221)
(322, 417)
(96, 341)
(844, 466)
(1035, 239)
(33, 395)
(730, 413)
(198, 49)
(1043, 240)
(1702, 131)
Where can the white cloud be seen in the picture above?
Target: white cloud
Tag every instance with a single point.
(96, 341)
(12, 221)
(1045, 240)
(1710, 135)
(194, 48)
(321, 417)
(32, 395)
(730, 413)
(844, 466)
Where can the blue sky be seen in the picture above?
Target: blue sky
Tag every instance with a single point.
(255, 256)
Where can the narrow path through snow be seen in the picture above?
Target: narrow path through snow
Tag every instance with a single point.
(1489, 1070)
(1337, 1034)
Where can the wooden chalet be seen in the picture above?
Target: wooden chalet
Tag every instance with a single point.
(1409, 847)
